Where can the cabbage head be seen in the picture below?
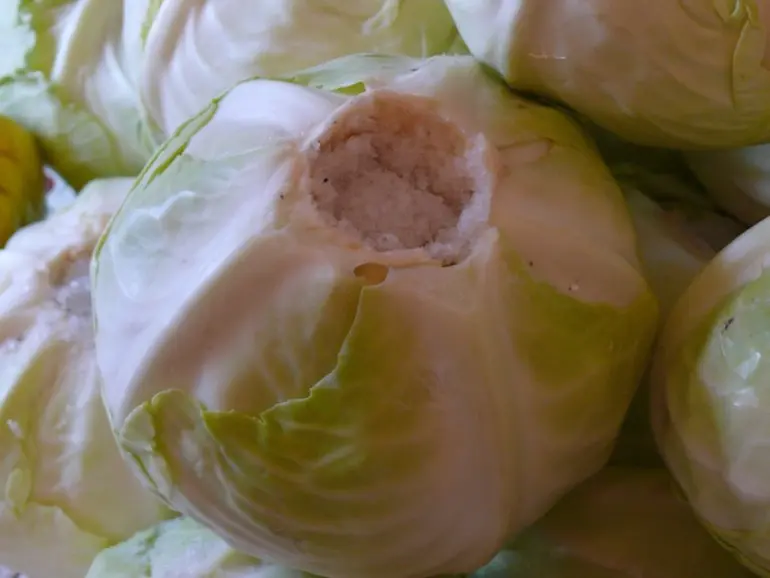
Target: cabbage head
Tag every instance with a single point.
(372, 321)
(67, 490)
(710, 395)
(103, 82)
(678, 232)
(685, 74)
(737, 179)
(622, 523)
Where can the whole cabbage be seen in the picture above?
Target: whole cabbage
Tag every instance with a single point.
(372, 321)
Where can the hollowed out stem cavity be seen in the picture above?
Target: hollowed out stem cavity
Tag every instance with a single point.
(391, 170)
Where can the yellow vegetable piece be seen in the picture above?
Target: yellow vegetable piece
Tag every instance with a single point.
(22, 182)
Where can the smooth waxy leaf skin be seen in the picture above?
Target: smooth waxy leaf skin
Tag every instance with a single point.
(337, 408)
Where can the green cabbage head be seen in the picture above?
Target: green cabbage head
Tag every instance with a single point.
(67, 492)
(103, 82)
(372, 321)
(710, 395)
(681, 74)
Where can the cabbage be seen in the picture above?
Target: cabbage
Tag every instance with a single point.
(103, 82)
(394, 382)
(711, 398)
(687, 74)
(181, 547)
(737, 179)
(622, 523)
(22, 183)
(67, 491)
(609, 527)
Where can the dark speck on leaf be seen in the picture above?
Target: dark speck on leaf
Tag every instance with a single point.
(727, 324)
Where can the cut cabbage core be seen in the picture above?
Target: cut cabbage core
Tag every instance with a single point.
(396, 174)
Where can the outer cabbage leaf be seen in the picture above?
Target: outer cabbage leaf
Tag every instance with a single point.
(67, 491)
(687, 74)
(181, 547)
(710, 396)
(622, 523)
(348, 409)
(737, 179)
(22, 184)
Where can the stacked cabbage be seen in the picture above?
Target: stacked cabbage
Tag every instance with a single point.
(385, 289)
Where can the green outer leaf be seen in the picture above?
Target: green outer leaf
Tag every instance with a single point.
(75, 143)
(183, 70)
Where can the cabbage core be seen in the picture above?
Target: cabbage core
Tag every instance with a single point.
(394, 173)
